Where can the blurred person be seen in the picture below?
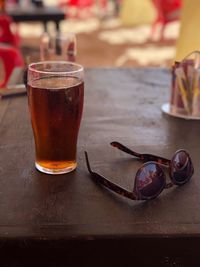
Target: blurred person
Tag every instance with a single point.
(166, 11)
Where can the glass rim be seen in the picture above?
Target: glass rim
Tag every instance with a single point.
(79, 66)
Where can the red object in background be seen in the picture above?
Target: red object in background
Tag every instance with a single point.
(86, 3)
(11, 58)
(6, 34)
(81, 3)
(167, 11)
(76, 3)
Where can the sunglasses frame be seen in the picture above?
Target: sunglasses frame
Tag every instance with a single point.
(147, 159)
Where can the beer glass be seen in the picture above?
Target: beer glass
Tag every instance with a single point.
(55, 97)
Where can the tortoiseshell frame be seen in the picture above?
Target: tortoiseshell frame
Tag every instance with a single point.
(147, 158)
(142, 157)
(104, 181)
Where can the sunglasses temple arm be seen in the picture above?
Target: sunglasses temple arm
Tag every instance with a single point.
(108, 184)
(143, 157)
(88, 163)
(126, 150)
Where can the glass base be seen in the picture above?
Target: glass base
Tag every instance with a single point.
(55, 171)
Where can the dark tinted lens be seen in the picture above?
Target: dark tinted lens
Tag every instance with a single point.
(150, 181)
(181, 168)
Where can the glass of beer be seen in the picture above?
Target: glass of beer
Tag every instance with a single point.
(55, 97)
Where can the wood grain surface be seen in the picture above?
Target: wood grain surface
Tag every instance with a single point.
(122, 105)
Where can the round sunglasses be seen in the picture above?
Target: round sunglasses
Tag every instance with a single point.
(150, 179)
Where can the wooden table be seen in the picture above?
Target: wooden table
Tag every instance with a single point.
(34, 14)
(69, 220)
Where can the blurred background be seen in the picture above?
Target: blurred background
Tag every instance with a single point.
(116, 33)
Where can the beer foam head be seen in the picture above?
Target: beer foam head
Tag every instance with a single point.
(53, 82)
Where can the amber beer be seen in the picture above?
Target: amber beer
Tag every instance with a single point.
(56, 104)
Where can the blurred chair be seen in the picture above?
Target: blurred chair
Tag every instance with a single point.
(10, 57)
(6, 34)
(167, 11)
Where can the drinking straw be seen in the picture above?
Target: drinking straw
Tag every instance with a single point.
(182, 84)
(176, 101)
(190, 78)
(196, 94)
(197, 59)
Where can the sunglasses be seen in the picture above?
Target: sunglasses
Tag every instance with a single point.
(150, 179)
